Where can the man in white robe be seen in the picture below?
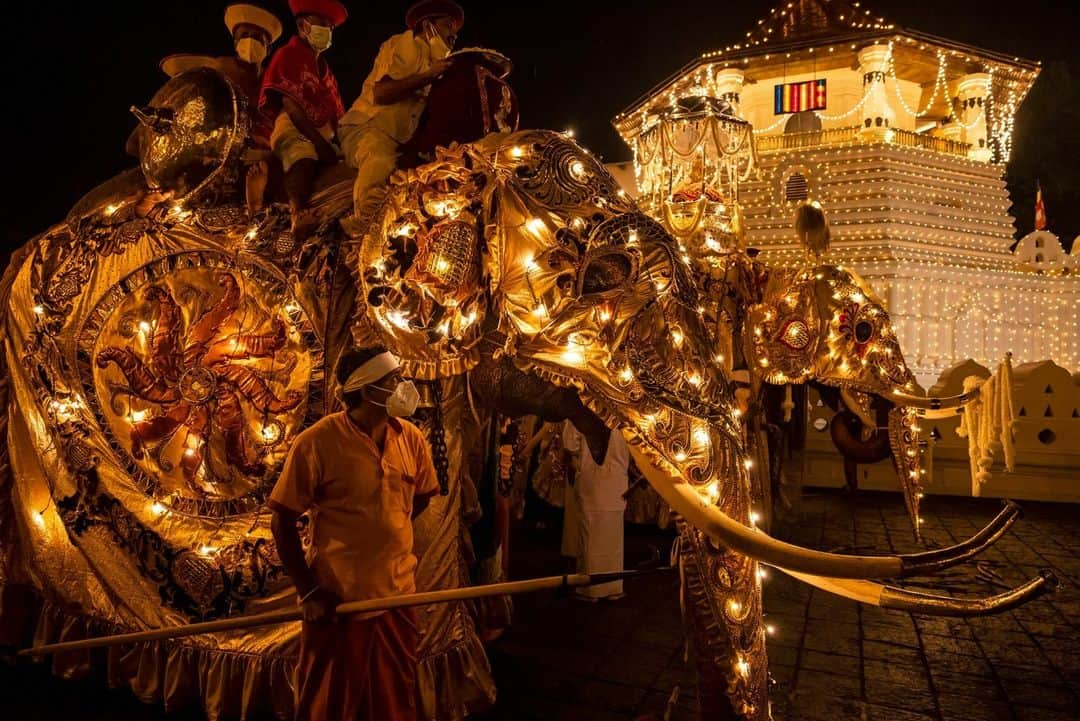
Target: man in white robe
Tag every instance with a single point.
(600, 507)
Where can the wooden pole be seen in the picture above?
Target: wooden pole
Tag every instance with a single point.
(376, 604)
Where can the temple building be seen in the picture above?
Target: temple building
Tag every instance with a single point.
(903, 137)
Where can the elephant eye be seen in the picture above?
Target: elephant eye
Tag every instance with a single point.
(864, 331)
(795, 335)
(605, 272)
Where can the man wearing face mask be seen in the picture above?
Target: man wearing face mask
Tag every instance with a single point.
(389, 107)
(363, 474)
(253, 30)
(300, 94)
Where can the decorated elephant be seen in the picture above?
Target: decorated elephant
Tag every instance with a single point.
(162, 352)
(514, 275)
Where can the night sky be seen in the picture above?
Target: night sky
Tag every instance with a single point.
(73, 68)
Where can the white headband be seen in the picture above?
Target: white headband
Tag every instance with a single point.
(370, 372)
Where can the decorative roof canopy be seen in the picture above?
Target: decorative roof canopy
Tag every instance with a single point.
(805, 19)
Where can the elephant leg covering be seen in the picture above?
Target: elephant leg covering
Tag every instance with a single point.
(721, 599)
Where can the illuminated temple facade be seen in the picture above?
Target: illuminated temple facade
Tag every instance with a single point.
(903, 138)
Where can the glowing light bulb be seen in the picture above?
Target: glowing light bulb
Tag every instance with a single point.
(144, 327)
(764, 362)
(680, 456)
(719, 358)
(754, 515)
(442, 265)
(111, 208)
(138, 416)
(158, 508)
(632, 238)
(517, 151)
(762, 574)
(577, 169)
(626, 375)
(694, 379)
(292, 307)
(573, 354)
(252, 233)
(743, 667)
(604, 314)
(749, 463)
(734, 606)
(39, 309)
(206, 550)
(398, 318)
(677, 337)
(569, 132)
(770, 629)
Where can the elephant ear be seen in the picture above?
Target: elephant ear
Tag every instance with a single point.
(783, 332)
(419, 267)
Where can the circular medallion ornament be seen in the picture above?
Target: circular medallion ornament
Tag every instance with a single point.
(199, 371)
(197, 385)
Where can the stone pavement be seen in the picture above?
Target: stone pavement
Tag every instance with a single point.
(831, 659)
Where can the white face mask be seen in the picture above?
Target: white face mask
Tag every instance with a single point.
(439, 48)
(403, 401)
(319, 36)
(250, 50)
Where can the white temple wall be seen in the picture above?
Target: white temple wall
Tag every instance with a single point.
(844, 91)
(1046, 433)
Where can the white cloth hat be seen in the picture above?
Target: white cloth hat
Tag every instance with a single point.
(253, 15)
(173, 65)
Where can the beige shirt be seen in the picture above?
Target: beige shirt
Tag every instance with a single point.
(361, 502)
(400, 57)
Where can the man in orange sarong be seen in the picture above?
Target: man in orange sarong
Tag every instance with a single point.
(364, 473)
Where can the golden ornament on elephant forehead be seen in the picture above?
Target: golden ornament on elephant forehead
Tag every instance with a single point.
(419, 269)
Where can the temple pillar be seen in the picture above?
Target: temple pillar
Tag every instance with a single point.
(971, 105)
(877, 115)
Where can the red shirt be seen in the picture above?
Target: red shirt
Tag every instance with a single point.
(298, 72)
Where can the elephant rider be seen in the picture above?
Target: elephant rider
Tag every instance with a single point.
(394, 94)
(365, 473)
(300, 95)
(253, 31)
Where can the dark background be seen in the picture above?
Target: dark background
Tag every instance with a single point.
(73, 67)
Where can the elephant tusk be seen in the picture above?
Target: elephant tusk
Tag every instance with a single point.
(932, 415)
(901, 599)
(917, 564)
(758, 545)
(934, 404)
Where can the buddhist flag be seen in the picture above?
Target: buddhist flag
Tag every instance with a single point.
(1040, 210)
(796, 97)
